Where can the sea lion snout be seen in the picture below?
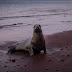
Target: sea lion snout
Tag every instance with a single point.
(37, 28)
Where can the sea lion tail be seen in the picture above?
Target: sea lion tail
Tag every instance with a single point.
(11, 49)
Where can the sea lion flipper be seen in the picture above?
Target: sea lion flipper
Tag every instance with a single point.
(11, 49)
(44, 50)
(44, 47)
(8, 53)
(29, 48)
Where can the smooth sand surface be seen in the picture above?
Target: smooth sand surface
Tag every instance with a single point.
(57, 59)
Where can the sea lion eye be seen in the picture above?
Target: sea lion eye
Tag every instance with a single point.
(40, 26)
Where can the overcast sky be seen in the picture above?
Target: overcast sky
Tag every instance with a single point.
(35, 0)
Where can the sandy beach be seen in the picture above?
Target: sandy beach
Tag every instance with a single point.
(57, 59)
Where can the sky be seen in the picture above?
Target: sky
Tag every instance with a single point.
(34, 0)
(21, 1)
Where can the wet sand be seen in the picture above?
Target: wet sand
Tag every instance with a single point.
(57, 59)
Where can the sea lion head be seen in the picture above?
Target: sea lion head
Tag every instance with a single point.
(37, 28)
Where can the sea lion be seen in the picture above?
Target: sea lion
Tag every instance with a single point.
(38, 41)
(33, 45)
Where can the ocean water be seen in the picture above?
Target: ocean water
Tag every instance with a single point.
(17, 19)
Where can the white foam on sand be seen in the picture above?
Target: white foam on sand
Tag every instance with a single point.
(2, 51)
